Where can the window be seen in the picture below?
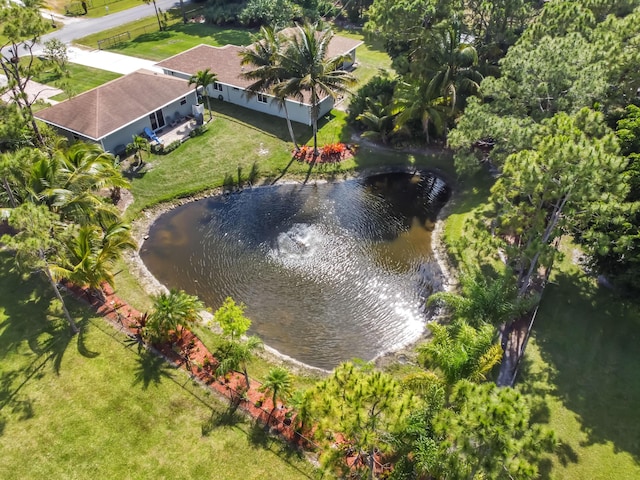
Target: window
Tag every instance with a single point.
(183, 101)
(217, 86)
(262, 98)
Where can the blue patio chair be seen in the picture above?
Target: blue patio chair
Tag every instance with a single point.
(152, 136)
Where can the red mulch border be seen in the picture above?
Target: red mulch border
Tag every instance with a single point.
(189, 353)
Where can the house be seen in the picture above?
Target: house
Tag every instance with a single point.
(231, 86)
(113, 113)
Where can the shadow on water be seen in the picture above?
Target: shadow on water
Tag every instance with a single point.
(588, 339)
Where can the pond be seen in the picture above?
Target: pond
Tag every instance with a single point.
(328, 272)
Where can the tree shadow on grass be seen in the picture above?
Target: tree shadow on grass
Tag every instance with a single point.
(229, 417)
(151, 369)
(588, 340)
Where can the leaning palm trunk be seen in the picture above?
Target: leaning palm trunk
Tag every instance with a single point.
(47, 273)
(314, 118)
(289, 126)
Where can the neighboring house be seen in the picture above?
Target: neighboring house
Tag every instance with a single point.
(230, 86)
(112, 113)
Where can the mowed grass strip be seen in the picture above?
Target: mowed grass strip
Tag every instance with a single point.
(88, 406)
(148, 42)
(80, 79)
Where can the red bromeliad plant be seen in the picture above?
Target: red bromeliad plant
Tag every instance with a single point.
(330, 153)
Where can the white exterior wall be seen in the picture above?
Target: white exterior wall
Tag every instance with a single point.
(124, 136)
(298, 112)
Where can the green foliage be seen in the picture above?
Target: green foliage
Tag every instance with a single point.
(487, 432)
(278, 382)
(172, 313)
(363, 405)
(551, 190)
(204, 78)
(460, 351)
(485, 300)
(380, 86)
(236, 355)
(275, 13)
(231, 319)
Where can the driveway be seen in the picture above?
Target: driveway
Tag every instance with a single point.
(34, 90)
(113, 62)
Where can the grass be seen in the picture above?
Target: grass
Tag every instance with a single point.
(80, 79)
(581, 363)
(235, 139)
(147, 42)
(89, 407)
(95, 8)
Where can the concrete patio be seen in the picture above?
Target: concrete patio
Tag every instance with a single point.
(179, 132)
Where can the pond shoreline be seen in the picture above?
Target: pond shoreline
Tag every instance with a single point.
(402, 354)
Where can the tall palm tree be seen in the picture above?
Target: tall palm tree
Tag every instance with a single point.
(307, 70)
(157, 12)
(454, 67)
(172, 312)
(204, 78)
(90, 254)
(279, 383)
(264, 56)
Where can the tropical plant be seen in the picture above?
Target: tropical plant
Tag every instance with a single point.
(172, 314)
(264, 56)
(138, 145)
(204, 78)
(378, 118)
(452, 67)
(460, 351)
(90, 254)
(485, 300)
(415, 102)
(147, 2)
(236, 355)
(307, 70)
(277, 382)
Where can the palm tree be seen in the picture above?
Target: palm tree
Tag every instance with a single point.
(237, 356)
(461, 351)
(378, 118)
(278, 382)
(172, 312)
(204, 78)
(414, 102)
(307, 70)
(267, 72)
(485, 300)
(91, 254)
(454, 64)
(157, 13)
(138, 145)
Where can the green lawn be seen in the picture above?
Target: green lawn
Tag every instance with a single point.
(147, 42)
(80, 80)
(91, 407)
(582, 361)
(245, 139)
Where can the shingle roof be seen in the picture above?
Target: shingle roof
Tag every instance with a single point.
(107, 108)
(225, 61)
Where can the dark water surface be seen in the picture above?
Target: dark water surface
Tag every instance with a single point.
(328, 272)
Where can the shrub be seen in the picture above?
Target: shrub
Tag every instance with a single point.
(378, 86)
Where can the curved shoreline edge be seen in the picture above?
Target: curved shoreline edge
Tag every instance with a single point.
(403, 353)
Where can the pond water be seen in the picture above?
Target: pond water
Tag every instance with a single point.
(328, 272)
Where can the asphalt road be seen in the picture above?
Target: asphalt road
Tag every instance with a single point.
(78, 27)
